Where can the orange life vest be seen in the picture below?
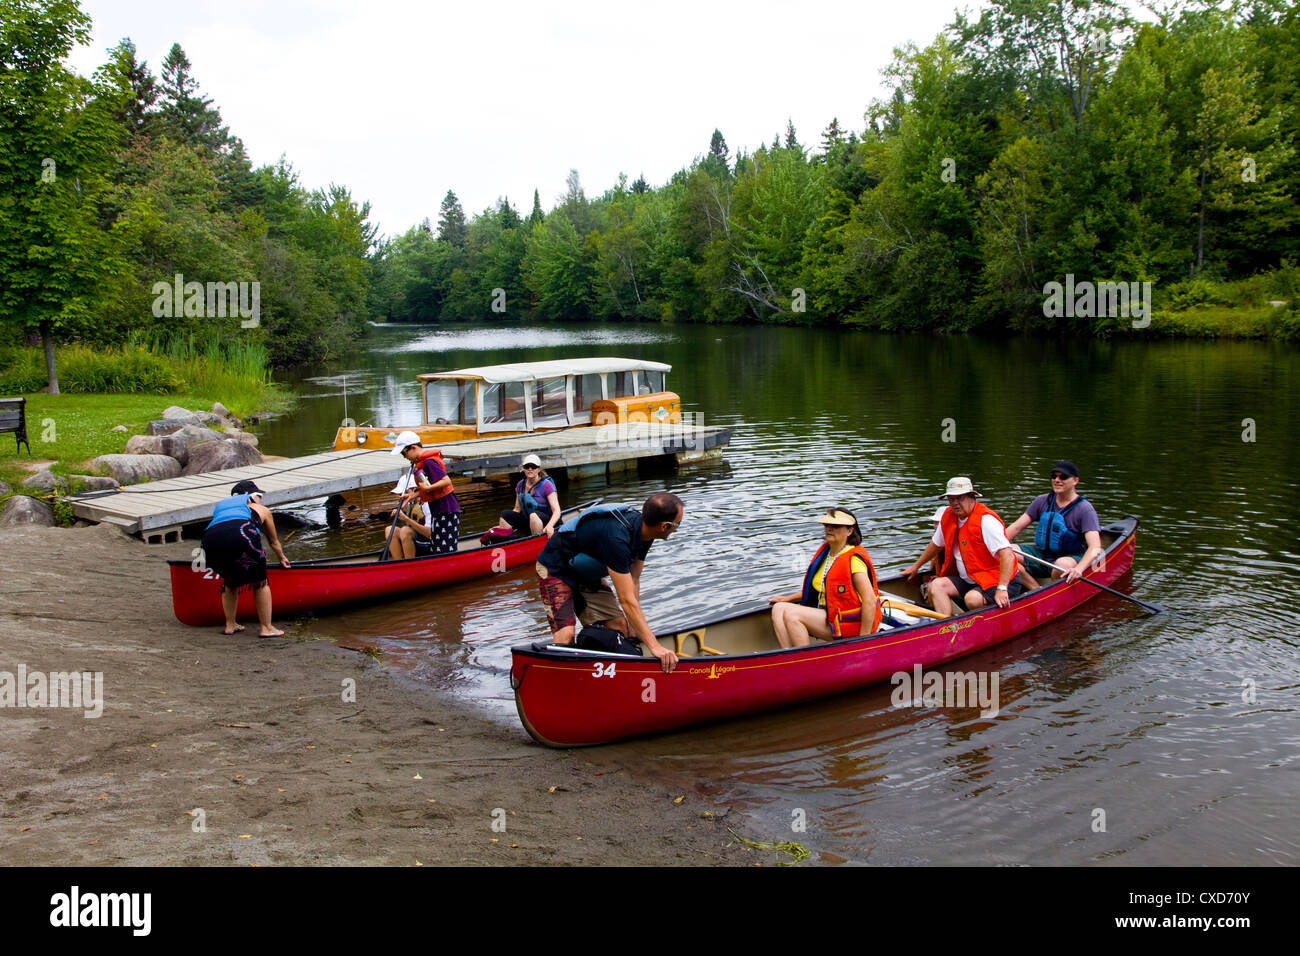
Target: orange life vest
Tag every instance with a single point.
(981, 566)
(843, 604)
(423, 456)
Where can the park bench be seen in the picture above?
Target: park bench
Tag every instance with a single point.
(13, 418)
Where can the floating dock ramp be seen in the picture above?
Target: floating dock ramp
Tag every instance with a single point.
(157, 510)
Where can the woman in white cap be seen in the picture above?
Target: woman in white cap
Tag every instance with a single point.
(434, 486)
(839, 597)
(537, 505)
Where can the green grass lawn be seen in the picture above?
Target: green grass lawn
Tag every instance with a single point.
(72, 429)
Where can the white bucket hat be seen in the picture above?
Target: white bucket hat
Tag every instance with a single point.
(960, 486)
(403, 484)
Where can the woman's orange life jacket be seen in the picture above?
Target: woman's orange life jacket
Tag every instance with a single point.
(981, 566)
(843, 604)
(423, 456)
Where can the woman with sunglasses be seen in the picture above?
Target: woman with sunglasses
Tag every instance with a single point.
(839, 595)
(537, 505)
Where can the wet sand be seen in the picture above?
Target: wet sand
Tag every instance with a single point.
(256, 734)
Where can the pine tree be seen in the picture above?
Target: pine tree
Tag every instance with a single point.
(791, 141)
(451, 221)
(833, 135)
(536, 215)
(185, 113)
(640, 186)
(136, 112)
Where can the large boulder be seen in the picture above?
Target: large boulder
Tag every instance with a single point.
(220, 410)
(166, 426)
(236, 435)
(181, 443)
(23, 510)
(220, 455)
(128, 469)
(95, 483)
(176, 413)
(45, 481)
(145, 445)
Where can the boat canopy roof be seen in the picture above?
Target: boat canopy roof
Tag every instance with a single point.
(533, 371)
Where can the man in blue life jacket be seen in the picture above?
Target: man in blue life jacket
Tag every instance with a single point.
(613, 540)
(1068, 532)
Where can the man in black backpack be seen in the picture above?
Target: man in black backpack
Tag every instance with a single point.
(1068, 533)
(612, 540)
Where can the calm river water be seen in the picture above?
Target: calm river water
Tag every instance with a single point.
(1177, 732)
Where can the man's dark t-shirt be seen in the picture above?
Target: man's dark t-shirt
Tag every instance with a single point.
(612, 539)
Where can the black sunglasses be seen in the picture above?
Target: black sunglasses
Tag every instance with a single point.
(1056, 475)
(526, 467)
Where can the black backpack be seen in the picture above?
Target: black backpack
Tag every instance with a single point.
(596, 637)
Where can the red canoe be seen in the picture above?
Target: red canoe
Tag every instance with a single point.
(573, 698)
(356, 578)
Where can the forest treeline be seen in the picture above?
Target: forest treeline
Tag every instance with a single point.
(1033, 141)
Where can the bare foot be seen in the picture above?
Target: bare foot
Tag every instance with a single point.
(275, 633)
(238, 628)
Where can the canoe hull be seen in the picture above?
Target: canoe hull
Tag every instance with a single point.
(570, 699)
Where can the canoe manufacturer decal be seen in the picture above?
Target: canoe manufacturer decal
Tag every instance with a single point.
(955, 626)
(713, 672)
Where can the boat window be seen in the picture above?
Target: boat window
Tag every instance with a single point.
(451, 400)
(503, 404)
(550, 403)
(653, 380)
(586, 389)
(623, 386)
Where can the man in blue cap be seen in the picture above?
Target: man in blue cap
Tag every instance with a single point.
(1068, 533)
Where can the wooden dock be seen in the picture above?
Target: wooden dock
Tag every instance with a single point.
(158, 510)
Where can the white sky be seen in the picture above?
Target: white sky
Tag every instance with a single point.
(401, 100)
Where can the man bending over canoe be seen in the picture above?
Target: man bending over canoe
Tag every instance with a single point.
(1067, 522)
(613, 540)
(980, 565)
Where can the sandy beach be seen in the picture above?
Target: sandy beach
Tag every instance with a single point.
(239, 751)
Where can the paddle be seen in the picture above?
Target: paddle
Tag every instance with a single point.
(1152, 608)
(392, 528)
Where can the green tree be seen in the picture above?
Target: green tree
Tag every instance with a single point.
(451, 221)
(56, 148)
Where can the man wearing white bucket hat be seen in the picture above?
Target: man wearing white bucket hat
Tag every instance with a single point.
(980, 566)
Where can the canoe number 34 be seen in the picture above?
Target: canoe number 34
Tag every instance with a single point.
(603, 670)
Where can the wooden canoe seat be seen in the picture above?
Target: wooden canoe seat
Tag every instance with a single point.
(700, 646)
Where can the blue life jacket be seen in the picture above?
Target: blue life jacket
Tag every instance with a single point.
(584, 567)
(530, 502)
(1052, 537)
(234, 508)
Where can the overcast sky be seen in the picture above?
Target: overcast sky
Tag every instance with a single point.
(401, 100)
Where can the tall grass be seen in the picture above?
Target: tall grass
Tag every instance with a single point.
(234, 372)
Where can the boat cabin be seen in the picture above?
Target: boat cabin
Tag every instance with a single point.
(531, 396)
(528, 396)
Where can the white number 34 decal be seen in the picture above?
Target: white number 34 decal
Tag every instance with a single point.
(603, 670)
